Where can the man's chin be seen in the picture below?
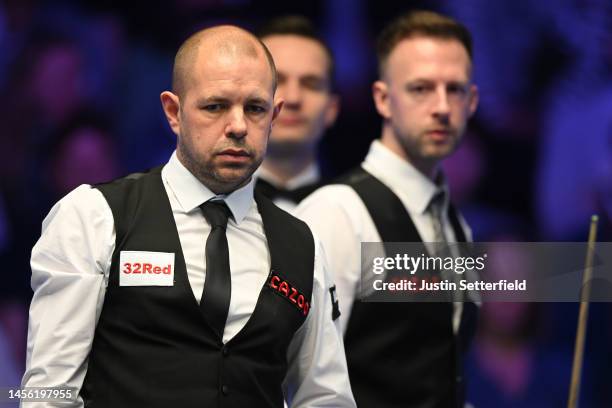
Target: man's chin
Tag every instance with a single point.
(286, 147)
(439, 152)
(234, 177)
(442, 148)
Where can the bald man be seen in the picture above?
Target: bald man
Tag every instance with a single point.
(180, 286)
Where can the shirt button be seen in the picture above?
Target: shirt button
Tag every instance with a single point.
(459, 379)
(225, 389)
(224, 351)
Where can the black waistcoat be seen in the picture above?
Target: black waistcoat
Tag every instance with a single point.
(403, 354)
(152, 345)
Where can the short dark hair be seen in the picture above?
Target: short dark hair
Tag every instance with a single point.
(299, 26)
(420, 23)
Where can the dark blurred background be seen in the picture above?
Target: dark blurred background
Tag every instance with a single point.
(80, 84)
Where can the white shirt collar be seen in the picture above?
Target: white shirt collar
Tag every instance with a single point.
(415, 189)
(309, 175)
(190, 192)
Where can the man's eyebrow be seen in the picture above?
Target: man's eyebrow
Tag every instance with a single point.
(460, 83)
(431, 81)
(419, 81)
(211, 99)
(314, 77)
(258, 100)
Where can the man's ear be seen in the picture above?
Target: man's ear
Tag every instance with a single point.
(172, 106)
(380, 93)
(278, 105)
(331, 112)
(474, 98)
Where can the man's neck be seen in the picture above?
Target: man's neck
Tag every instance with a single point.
(284, 169)
(430, 168)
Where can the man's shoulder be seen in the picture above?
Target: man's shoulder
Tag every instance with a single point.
(130, 179)
(338, 193)
(330, 197)
(334, 207)
(82, 199)
(273, 213)
(83, 205)
(131, 188)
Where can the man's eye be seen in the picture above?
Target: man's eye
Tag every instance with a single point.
(213, 107)
(418, 89)
(314, 84)
(255, 109)
(457, 89)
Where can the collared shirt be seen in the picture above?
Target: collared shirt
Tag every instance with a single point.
(70, 268)
(310, 175)
(342, 222)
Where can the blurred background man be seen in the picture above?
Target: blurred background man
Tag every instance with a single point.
(305, 68)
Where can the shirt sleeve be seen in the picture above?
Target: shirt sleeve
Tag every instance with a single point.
(70, 264)
(317, 374)
(334, 213)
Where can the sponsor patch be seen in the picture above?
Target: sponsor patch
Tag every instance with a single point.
(143, 268)
(292, 294)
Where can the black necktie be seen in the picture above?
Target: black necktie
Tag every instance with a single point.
(217, 285)
(272, 192)
(436, 211)
(442, 246)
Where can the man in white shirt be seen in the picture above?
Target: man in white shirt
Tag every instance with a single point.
(305, 67)
(178, 286)
(403, 354)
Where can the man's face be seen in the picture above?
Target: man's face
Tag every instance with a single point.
(426, 98)
(304, 85)
(224, 118)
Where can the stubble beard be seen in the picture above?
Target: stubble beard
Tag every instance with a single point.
(429, 150)
(206, 172)
(423, 154)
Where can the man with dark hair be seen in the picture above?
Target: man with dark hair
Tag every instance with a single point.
(180, 286)
(305, 68)
(403, 354)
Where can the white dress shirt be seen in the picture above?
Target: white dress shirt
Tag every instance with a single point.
(310, 175)
(70, 268)
(342, 222)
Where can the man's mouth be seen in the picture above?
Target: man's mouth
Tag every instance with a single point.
(439, 135)
(234, 155)
(290, 120)
(235, 152)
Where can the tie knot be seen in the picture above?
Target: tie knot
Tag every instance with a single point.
(216, 213)
(436, 205)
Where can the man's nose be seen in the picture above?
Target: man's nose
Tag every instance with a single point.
(236, 125)
(442, 105)
(292, 94)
